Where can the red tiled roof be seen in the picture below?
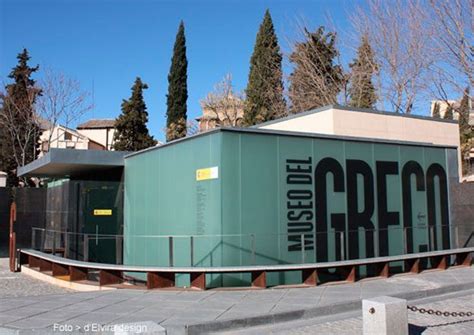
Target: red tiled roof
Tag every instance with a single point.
(97, 123)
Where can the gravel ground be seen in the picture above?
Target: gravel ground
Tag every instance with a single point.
(16, 284)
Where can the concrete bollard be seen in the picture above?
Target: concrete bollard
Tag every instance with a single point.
(385, 316)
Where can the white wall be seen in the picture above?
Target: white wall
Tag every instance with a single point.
(3, 179)
(321, 123)
(99, 136)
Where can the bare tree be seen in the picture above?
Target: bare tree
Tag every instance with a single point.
(424, 48)
(224, 105)
(20, 129)
(400, 39)
(451, 42)
(62, 100)
(192, 128)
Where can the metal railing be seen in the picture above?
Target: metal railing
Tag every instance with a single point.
(249, 249)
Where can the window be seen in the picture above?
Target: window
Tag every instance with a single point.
(67, 136)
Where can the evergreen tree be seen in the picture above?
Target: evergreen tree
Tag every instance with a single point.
(448, 114)
(177, 89)
(316, 79)
(20, 131)
(465, 131)
(436, 111)
(131, 131)
(361, 90)
(264, 92)
(4, 149)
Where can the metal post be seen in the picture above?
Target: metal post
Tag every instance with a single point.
(86, 247)
(343, 246)
(43, 232)
(118, 249)
(252, 241)
(405, 240)
(170, 244)
(376, 242)
(431, 230)
(456, 236)
(302, 248)
(66, 244)
(33, 238)
(53, 249)
(191, 241)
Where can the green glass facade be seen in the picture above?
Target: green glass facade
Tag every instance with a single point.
(283, 198)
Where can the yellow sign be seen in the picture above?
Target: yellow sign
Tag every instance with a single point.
(102, 212)
(208, 173)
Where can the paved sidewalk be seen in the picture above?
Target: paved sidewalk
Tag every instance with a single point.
(175, 309)
(417, 323)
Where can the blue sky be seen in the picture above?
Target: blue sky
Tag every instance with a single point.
(106, 44)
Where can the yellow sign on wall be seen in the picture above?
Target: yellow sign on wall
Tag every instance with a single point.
(102, 212)
(208, 173)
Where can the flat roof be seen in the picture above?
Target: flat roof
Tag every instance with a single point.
(71, 162)
(352, 109)
(292, 134)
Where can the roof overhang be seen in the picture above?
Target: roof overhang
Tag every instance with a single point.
(71, 162)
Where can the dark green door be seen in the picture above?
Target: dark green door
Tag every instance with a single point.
(101, 220)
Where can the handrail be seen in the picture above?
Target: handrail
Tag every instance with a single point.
(374, 230)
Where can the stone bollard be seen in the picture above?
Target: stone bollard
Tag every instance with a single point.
(385, 316)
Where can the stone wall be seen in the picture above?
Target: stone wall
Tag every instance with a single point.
(462, 211)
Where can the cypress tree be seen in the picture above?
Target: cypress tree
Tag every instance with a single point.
(448, 114)
(177, 89)
(131, 132)
(20, 133)
(264, 92)
(361, 89)
(436, 111)
(316, 79)
(464, 127)
(465, 131)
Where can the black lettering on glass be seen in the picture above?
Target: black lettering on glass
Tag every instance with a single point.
(436, 170)
(355, 218)
(410, 168)
(325, 166)
(385, 218)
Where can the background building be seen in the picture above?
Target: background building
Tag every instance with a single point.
(60, 137)
(99, 130)
(95, 134)
(223, 111)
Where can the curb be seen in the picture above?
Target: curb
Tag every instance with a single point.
(349, 306)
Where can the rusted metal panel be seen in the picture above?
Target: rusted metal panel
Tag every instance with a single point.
(198, 280)
(110, 277)
(259, 279)
(160, 280)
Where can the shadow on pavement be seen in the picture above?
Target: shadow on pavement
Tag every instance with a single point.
(415, 330)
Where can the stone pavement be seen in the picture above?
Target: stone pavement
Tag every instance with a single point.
(17, 284)
(217, 310)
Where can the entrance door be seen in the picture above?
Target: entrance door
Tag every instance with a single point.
(101, 218)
